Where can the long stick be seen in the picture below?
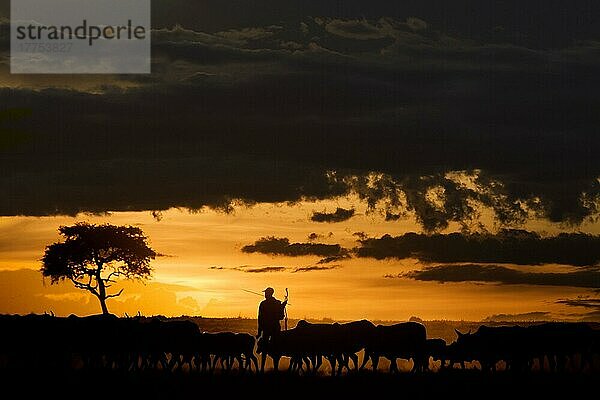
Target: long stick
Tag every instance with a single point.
(250, 291)
(285, 320)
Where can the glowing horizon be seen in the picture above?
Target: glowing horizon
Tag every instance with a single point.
(202, 270)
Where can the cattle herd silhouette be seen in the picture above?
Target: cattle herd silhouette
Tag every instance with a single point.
(140, 343)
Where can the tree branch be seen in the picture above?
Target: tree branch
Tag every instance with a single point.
(84, 286)
(94, 285)
(99, 263)
(115, 274)
(115, 295)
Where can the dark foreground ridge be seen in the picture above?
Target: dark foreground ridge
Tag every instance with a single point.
(157, 384)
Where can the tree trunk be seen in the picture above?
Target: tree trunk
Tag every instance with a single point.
(102, 294)
(103, 305)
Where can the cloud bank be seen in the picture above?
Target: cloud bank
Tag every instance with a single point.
(339, 215)
(282, 247)
(507, 246)
(587, 278)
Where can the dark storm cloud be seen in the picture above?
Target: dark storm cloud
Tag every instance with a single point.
(264, 269)
(250, 269)
(436, 200)
(584, 301)
(586, 278)
(258, 104)
(339, 215)
(315, 236)
(507, 246)
(592, 304)
(354, 29)
(282, 247)
(313, 268)
(258, 270)
(343, 256)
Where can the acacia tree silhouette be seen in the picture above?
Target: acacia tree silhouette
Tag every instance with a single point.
(93, 256)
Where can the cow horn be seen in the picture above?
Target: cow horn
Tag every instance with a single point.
(458, 332)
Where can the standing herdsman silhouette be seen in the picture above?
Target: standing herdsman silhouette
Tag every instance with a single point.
(270, 312)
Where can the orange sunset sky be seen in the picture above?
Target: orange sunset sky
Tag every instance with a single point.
(202, 270)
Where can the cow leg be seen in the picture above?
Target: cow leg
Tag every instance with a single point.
(313, 364)
(302, 360)
(420, 363)
(251, 359)
(342, 362)
(354, 358)
(375, 361)
(332, 363)
(552, 362)
(201, 363)
(247, 362)
(345, 363)
(366, 357)
(317, 360)
(241, 363)
(292, 365)
(308, 363)
(393, 365)
(177, 363)
(484, 365)
(416, 365)
(276, 362)
(531, 363)
(561, 362)
(255, 362)
(542, 362)
(299, 364)
(171, 362)
(194, 362)
(587, 360)
(263, 357)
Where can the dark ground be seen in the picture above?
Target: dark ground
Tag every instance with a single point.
(448, 384)
(464, 384)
